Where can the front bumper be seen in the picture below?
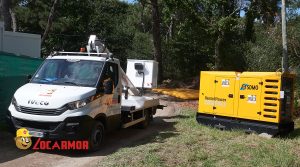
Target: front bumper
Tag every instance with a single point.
(71, 128)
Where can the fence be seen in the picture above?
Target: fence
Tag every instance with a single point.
(13, 74)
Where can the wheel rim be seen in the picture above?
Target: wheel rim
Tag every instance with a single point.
(97, 137)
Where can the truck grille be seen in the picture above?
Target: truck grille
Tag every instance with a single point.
(36, 125)
(40, 111)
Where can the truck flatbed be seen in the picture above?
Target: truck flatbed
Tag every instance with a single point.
(140, 102)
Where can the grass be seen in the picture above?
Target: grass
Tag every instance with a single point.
(197, 145)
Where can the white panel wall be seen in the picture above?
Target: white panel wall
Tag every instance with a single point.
(22, 44)
(1, 35)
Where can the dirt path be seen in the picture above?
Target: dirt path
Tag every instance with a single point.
(12, 157)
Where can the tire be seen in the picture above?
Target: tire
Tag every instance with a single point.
(97, 136)
(153, 112)
(146, 122)
(10, 126)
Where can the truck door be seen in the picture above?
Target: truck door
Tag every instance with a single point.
(111, 102)
(224, 96)
(249, 98)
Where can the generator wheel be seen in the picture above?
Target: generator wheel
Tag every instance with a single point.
(97, 136)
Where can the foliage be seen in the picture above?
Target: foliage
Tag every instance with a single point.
(196, 34)
(265, 53)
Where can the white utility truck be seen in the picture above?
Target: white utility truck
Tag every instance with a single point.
(76, 95)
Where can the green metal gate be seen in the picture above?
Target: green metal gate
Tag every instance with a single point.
(13, 74)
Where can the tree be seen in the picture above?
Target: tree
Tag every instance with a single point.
(185, 37)
(8, 14)
(50, 21)
(226, 17)
(157, 38)
(6, 7)
(251, 15)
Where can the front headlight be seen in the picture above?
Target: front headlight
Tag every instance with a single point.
(79, 104)
(14, 102)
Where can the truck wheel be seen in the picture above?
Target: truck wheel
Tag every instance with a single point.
(96, 136)
(146, 122)
(153, 112)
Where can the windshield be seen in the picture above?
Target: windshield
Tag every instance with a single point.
(69, 72)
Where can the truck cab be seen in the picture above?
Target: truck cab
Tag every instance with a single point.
(77, 96)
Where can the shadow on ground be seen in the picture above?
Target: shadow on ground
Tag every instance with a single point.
(292, 135)
(159, 130)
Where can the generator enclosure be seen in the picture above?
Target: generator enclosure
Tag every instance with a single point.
(150, 71)
(254, 101)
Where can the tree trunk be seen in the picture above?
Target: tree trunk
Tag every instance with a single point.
(285, 59)
(50, 21)
(1, 10)
(218, 58)
(14, 20)
(6, 5)
(157, 38)
(142, 17)
(171, 27)
(250, 17)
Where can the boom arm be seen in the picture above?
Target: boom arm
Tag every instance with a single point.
(97, 46)
(126, 82)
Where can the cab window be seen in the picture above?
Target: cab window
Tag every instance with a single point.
(110, 71)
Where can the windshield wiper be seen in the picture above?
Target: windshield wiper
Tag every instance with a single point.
(72, 83)
(42, 79)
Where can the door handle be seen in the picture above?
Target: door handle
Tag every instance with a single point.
(259, 113)
(242, 96)
(230, 95)
(214, 107)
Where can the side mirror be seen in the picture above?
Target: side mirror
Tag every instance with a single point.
(29, 78)
(108, 86)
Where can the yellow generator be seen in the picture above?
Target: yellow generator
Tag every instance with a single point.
(259, 102)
